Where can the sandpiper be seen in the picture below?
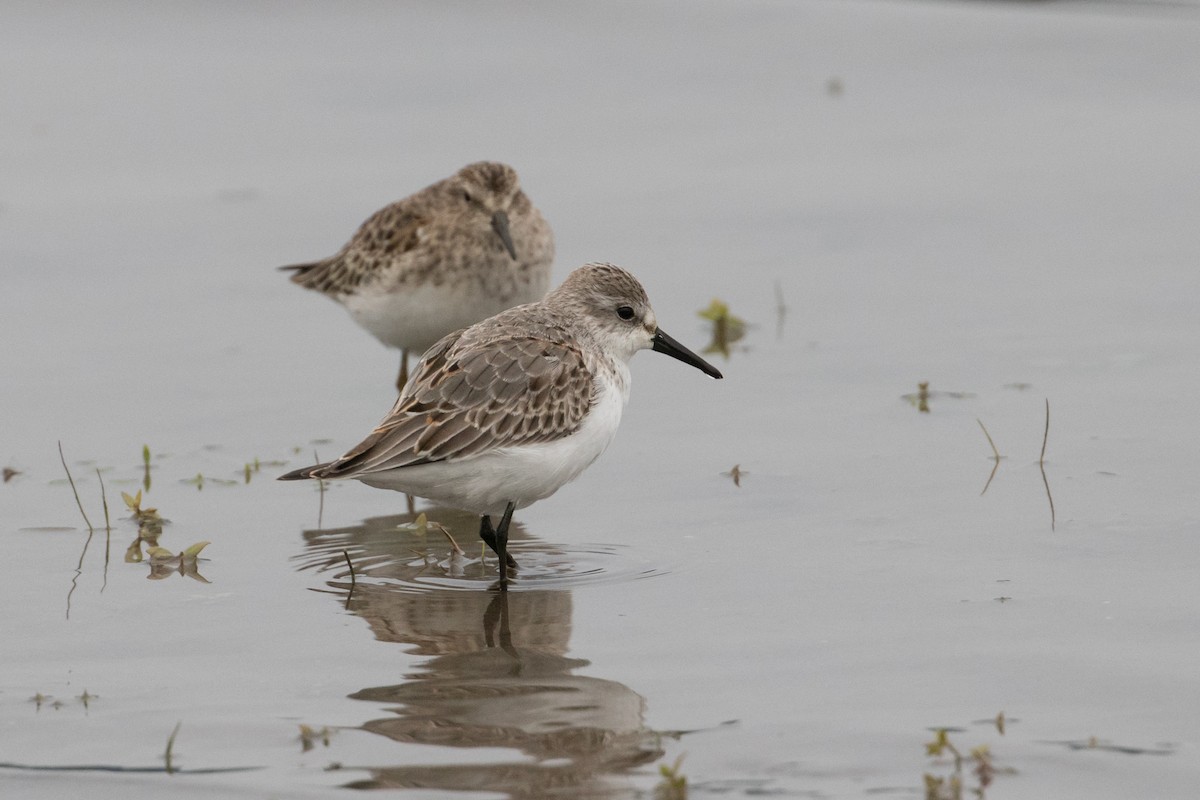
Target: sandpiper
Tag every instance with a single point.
(452, 254)
(503, 413)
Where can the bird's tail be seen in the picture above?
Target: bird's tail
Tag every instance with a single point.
(330, 275)
(301, 272)
(315, 471)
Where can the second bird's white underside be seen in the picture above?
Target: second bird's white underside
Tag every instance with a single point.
(486, 483)
(414, 319)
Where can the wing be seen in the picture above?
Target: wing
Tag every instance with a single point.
(386, 235)
(469, 397)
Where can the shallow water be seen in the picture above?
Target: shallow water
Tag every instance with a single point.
(998, 199)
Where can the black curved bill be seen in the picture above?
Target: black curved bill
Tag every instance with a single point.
(665, 344)
(500, 226)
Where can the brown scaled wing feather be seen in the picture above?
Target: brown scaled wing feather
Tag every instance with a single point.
(387, 234)
(465, 400)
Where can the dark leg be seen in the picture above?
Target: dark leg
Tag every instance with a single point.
(486, 532)
(490, 536)
(403, 379)
(502, 542)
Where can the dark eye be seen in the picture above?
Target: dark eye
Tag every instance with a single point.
(625, 312)
(467, 196)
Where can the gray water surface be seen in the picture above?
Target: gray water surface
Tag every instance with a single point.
(999, 199)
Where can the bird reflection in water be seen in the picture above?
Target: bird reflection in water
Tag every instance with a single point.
(496, 675)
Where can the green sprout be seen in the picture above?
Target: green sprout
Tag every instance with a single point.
(134, 504)
(673, 785)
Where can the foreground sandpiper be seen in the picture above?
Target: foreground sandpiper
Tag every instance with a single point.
(502, 414)
(454, 253)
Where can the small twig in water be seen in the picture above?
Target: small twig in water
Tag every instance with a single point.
(995, 455)
(104, 500)
(1042, 464)
(73, 489)
(107, 530)
(453, 544)
(346, 555)
(321, 502)
(79, 569)
(86, 542)
(1045, 433)
(995, 452)
(171, 747)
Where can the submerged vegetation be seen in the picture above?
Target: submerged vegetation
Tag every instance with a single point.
(736, 473)
(674, 784)
(727, 329)
(310, 736)
(921, 398)
(950, 781)
(201, 480)
(162, 561)
(85, 699)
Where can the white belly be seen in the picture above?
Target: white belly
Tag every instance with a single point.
(414, 318)
(486, 483)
